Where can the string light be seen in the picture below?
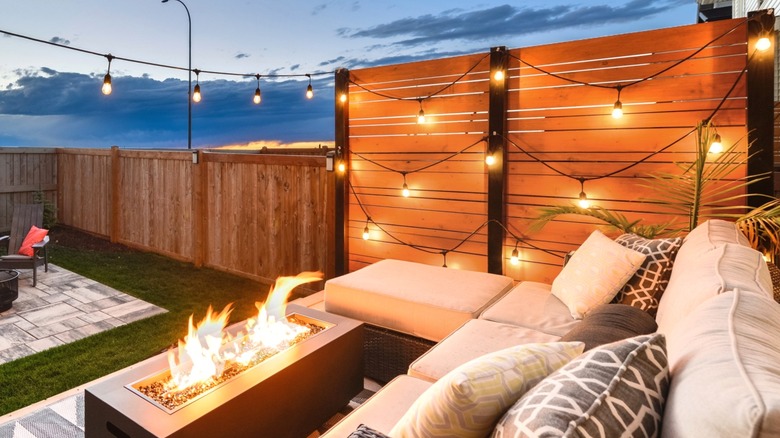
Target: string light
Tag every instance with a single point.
(490, 159)
(405, 188)
(617, 108)
(309, 89)
(716, 146)
(498, 75)
(258, 94)
(366, 231)
(343, 97)
(107, 78)
(196, 97)
(583, 202)
(342, 167)
(421, 114)
(515, 258)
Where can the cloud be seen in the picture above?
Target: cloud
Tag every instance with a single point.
(58, 40)
(295, 67)
(331, 61)
(319, 8)
(54, 108)
(242, 56)
(506, 21)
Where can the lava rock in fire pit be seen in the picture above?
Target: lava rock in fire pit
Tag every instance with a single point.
(9, 289)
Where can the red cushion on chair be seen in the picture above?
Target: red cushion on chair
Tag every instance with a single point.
(34, 236)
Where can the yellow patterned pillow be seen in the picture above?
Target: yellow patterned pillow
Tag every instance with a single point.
(595, 274)
(469, 400)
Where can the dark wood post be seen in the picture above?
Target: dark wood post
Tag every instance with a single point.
(499, 61)
(760, 105)
(341, 234)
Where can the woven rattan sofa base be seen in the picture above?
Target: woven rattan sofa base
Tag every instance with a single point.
(387, 353)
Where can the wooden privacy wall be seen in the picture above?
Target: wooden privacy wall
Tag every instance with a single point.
(550, 126)
(259, 216)
(23, 172)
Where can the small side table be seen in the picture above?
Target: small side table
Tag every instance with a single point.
(9, 288)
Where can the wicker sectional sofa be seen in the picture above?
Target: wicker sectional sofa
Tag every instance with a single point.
(538, 361)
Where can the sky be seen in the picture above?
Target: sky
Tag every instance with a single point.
(50, 96)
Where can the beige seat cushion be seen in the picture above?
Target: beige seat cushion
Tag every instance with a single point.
(724, 365)
(383, 409)
(421, 300)
(531, 304)
(475, 338)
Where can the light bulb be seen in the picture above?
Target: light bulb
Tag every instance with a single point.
(617, 110)
(309, 92)
(716, 146)
(405, 191)
(196, 93)
(515, 259)
(342, 167)
(584, 202)
(106, 84)
(366, 233)
(763, 44)
(767, 257)
(421, 117)
(490, 160)
(498, 75)
(343, 97)
(258, 96)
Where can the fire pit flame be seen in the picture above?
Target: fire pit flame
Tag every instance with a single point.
(208, 351)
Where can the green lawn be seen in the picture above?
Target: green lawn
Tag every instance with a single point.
(178, 287)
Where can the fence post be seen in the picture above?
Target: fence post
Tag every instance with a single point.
(116, 194)
(341, 232)
(198, 208)
(497, 170)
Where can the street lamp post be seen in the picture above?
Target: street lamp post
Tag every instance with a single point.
(189, 82)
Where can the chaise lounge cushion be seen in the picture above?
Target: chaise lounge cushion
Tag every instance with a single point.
(532, 305)
(616, 389)
(724, 359)
(469, 400)
(595, 273)
(475, 338)
(421, 300)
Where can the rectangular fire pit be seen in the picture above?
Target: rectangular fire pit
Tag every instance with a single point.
(287, 395)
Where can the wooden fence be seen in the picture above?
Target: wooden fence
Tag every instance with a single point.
(23, 173)
(548, 124)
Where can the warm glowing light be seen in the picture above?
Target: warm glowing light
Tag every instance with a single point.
(343, 97)
(342, 167)
(490, 160)
(767, 257)
(309, 92)
(258, 96)
(617, 110)
(498, 75)
(208, 349)
(106, 84)
(366, 233)
(716, 146)
(763, 44)
(196, 97)
(583, 202)
(515, 258)
(405, 191)
(421, 116)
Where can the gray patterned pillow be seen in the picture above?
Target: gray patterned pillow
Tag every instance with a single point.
(616, 389)
(645, 288)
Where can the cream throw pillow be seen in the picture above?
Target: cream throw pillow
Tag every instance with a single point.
(469, 400)
(595, 274)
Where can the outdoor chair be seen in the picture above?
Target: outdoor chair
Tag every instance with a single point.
(23, 219)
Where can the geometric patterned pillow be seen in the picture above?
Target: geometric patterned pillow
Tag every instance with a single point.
(645, 288)
(468, 400)
(616, 389)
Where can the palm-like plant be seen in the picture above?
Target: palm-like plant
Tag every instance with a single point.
(703, 190)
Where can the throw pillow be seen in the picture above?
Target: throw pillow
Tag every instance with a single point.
(364, 431)
(644, 289)
(595, 273)
(34, 236)
(609, 323)
(613, 390)
(468, 400)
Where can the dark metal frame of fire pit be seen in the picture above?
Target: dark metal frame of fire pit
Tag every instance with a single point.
(288, 395)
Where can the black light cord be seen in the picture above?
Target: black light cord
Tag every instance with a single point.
(425, 167)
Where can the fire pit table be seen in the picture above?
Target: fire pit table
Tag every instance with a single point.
(9, 289)
(289, 394)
